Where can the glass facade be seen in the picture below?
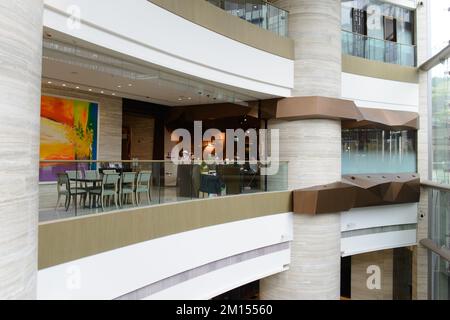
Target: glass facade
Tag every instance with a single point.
(441, 122)
(379, 31)
(440, 199)
(440, 234)
(378, 151)
(257, 12)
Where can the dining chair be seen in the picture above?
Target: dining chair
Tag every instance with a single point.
(62, 187)
(109, 188)
(89, 186)
(74, 175)
(143, 184)
(127, 183)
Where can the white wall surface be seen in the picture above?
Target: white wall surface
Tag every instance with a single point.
(410, 4)
(223, 280)
(379, 216)
(114, 273)
(372, 217)
(377, 241)
(145, 31)
(371, 92)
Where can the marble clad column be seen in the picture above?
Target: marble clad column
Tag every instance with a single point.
(313, 149)
(20, 91)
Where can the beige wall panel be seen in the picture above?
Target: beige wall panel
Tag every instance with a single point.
(359, 275)
(67, 240)
(142, 136)
(377, 69)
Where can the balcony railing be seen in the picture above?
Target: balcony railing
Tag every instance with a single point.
(75, 188)
(362, 46)
(257, 12)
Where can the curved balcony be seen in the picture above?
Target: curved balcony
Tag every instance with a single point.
(259, 12)
(362, 46)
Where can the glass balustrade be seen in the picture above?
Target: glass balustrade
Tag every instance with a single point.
(362, 46)
(378, 151)
(70, 189)
(257, 12)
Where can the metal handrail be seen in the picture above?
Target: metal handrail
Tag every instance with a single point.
(435, 185)
(441, 251)
(139, 161)
(262, 3)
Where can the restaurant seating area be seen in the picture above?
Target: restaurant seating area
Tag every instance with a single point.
(93, 188)
(82, 188)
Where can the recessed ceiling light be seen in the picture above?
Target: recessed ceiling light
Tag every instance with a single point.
(189, 98)
(63, 84)
(90, 89)
(179, 99)
(49, 82)
(113, 94)
(130, 85)
(102, 91)
(119, 86)
(77, 87)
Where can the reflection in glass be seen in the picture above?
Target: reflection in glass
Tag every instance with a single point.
(441, 122)
(440, 234)
(378, 151)
(258, 12)
(379, 31)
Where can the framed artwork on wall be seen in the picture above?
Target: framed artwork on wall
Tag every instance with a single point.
(69, 131)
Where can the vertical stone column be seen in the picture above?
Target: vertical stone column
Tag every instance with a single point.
(20, 91)
(313, 149)
(420, 254)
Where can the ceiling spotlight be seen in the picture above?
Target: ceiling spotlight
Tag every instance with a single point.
(113, 94)
(90, 89)
(49, 82)
(102, 91)
(119, 86)
(77, 87)
(63, 84)
(189, 98)
(130, 85)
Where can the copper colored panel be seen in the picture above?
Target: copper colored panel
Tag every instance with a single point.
(355, 191)
(310, 108)
(327, 198)
(384, 119)
(314, 107)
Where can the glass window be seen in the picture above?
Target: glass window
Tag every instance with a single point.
(378, 151)
(441, 122)
(390, 32)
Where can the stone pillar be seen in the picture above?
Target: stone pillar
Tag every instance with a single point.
(420, 253)
(20, 91)
(313, 149)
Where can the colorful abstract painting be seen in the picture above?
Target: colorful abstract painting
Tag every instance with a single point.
(68, 132)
